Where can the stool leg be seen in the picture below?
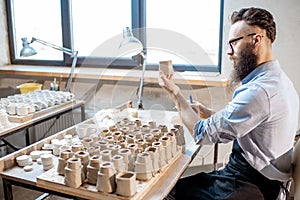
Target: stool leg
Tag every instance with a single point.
(216, 157)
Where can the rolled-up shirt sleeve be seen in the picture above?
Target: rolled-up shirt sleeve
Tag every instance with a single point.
(245, 112)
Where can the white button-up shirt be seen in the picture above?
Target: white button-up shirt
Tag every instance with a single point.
(263, 116)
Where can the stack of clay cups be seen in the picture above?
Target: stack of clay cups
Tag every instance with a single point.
(47, 161)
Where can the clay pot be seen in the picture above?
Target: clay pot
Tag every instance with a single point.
(110, 139)
(163, 128)
(87, 142)
(126, 154)
(77, 147)
(168, 147)
(131, 126)
(113, 128)
(47, 161)
(92, 169)
(102, 144)
(138, 134)
(62, 161)
(106, 178)
(180, 136)
(162, 154)
(173, 143)
(73, 172)
(156, 133)
(152, 124)
(153, 151)
(84, 157)
(124, 130)
(119, 163)
(117, 135)
(114, 148)
(105, 132)
(130, 138)
(141, 144)
(138, 122)
(143, 166)
(126, 184)
(106, 155)
(146, 128)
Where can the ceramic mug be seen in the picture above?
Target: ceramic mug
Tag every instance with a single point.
(22, 110)
(85, 130)
(11, 109)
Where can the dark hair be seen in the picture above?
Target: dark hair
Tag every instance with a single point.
(256, 17)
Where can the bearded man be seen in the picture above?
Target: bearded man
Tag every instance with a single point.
(261, 119)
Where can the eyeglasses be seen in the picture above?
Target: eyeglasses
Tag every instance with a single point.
(230, 42)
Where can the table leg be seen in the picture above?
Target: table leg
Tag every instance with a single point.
(27, 139)
(82, 112)
(7, 190)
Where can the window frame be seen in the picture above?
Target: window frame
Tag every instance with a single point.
(138, 18)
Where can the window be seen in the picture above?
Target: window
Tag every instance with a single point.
(169, 30)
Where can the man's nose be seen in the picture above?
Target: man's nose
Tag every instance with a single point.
(229, 50)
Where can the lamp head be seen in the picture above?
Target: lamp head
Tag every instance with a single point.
(26, 50)
(130, 44)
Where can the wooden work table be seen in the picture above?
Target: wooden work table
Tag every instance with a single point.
(186, 78)
(12, 174)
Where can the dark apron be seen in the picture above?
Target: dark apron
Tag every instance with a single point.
(238, 180)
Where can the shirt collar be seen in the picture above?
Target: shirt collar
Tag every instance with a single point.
(271, 65)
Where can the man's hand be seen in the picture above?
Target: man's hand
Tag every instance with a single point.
(202, 110)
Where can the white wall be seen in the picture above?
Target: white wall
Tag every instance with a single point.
(287, 43)
(3, 36)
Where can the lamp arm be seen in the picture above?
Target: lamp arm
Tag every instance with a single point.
(63, 49)
(69, 81)
(143, 63)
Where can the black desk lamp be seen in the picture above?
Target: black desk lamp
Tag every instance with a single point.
(27, 50)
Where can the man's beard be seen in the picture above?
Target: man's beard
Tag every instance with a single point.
(246, 63)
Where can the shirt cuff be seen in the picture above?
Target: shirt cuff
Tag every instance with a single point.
(199, 129)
